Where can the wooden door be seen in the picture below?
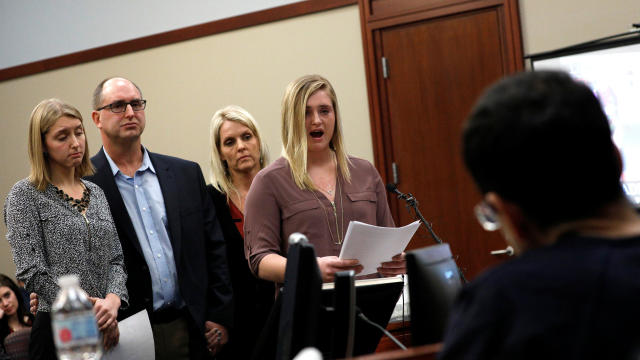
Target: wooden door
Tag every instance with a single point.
(435, 70)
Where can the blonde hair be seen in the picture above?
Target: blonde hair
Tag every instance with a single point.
(220, 175)
(43, 116)
(294, 137)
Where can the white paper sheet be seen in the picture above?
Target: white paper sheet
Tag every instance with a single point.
(136, 339)
(373, 245)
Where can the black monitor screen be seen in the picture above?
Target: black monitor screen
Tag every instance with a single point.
(301, 300)
(434, 283)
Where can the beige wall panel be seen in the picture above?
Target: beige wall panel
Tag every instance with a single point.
(186, 82)
(551, 24)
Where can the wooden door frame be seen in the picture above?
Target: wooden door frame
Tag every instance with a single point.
(376, 89)
(378, 16)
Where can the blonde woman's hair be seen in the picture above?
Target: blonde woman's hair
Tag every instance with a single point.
(294, 133)
(220, 175)
(43, 117)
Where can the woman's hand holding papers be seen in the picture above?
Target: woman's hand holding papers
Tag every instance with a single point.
(330, 265)
(397, 266)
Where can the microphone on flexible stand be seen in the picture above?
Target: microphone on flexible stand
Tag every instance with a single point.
(394, 189)
(413, 203)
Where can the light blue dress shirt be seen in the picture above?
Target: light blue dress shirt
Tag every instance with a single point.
(143, 199)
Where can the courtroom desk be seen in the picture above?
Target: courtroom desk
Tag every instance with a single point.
(401, 330)
(423, 352)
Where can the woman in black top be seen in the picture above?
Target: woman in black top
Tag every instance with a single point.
(14, 315)
(237, 154)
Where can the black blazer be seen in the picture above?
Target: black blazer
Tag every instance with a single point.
(196, 238)
(253, 297)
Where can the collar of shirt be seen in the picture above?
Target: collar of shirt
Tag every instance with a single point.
(146, 162)
(143, 199)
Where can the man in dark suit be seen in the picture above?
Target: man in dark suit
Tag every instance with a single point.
(171, 240)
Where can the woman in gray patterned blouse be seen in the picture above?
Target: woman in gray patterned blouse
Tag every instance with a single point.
(59, 224)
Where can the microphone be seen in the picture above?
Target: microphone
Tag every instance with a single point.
(360, 315)
(413, 203)
(393, 188)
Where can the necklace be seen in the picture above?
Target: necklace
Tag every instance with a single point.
(335, 215)
(329, 190)
(79, 204)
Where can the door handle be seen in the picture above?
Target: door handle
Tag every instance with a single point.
(507, 251)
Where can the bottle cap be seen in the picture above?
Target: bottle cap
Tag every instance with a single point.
(68, 280)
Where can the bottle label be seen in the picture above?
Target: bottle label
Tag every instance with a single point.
(75, 329)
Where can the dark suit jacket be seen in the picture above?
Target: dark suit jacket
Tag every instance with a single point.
(196, 238)
(252, 297)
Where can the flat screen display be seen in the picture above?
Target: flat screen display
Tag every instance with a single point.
(612, 71)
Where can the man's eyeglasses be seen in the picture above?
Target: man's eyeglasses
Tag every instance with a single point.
(121, 106)
(487, 216)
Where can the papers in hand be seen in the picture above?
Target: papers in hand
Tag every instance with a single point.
(373, 245)
(136, 339)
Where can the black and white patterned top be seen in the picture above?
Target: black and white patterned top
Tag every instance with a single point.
(49, 239)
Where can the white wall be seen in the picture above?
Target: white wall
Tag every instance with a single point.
(32, 30)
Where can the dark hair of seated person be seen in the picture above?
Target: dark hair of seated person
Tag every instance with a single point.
(541, 140)
(24, 316)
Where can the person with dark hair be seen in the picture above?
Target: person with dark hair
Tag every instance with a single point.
(14, 315)
(539, 148)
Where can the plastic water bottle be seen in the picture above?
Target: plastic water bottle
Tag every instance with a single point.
(75, 330)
